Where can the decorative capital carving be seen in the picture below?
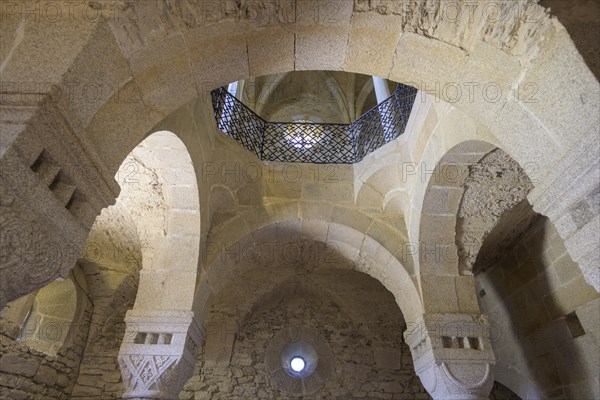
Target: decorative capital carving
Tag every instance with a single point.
(453, 355)
(157, 355)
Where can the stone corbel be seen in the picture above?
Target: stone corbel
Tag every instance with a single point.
(453, 355)
(157, 355)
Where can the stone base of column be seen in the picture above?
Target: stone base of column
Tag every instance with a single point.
(453, 355)
(157, 355)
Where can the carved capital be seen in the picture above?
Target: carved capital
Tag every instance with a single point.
(157, 355)
(453, 355)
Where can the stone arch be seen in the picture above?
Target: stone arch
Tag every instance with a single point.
(170, 226)
(226, 259)
(152, 67)
(368, 27)
(53, 317)
(443, 251)
(162, 318)
(524, 261)
(251, 291)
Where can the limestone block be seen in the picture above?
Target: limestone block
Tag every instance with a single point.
(323, 13)
(389, 237)
(369, 198)
(321, 48)
(176, 290)
(589, 316)
(183, 223)
(271, 52)
(315, 230)
(114, 138)
(386, 179)
(316, 210)
(569, 296)
(86, 391)
(248, 195)
(61, 37)
(338, 254)
(181, 176)
(343, 234)
(423, 69)
(95, 77)
(372, 43)
(492, 72)
(565, 268)
(439, 294)
(438, 229)
(443, 200)
(176, 252)
(391, 387)
(287, 190)
(453, 356)
(182, 197)
(430, 122)
(351, 218)
(569, 102)
(328, 191)
(467, 296)
(531, 145)
(46, 375)
(283, 210)
(164, 87)
(208, 57)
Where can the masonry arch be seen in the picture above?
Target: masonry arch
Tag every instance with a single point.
(168, 220)
(463, 233)
(160, 193)
(54, 317)
(368, 27)
(50, 318)
(314, 243)
(363, 39)
(522, 260)
(444, 256)
(286, 297)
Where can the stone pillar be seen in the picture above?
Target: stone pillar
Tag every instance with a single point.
(570, 197)
(453, 355)
(239, 91)
(382, 93)
(382, 90)
(157, 355)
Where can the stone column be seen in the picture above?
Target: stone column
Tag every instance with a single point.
(157, 355)
(382, 93)
(453, 355)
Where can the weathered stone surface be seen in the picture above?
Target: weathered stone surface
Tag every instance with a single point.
(13, 363)
(46, 375)
(82, 87)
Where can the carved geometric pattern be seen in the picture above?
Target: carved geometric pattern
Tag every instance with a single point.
(141, 372)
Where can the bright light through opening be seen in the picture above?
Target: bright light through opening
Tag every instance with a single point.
(297, 364)
(303, 134)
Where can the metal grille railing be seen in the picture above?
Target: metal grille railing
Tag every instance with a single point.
(317, 143)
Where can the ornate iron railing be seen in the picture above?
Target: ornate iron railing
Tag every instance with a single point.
(318, 143)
